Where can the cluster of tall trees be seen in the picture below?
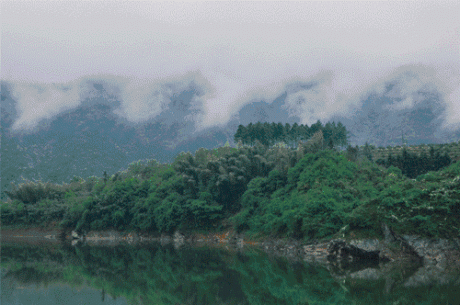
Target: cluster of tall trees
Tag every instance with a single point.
(270, 134)
(195, 191)
(413, 165)
(307, 192)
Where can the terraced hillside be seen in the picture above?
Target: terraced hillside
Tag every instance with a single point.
(452, 149)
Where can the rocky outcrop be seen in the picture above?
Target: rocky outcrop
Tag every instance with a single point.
(317, 252)
(286, 248)
(404, 248)
(340, 250)
(414, 261)
(440, 252)
(178, 239)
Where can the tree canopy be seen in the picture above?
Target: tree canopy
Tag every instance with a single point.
(270, 134)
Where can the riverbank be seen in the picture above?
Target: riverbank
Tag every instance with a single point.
(440, 252)
(34, 235)
(121, 269)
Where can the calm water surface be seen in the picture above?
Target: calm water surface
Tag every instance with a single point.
(51, 274)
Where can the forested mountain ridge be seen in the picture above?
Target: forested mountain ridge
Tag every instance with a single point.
(94, 138)
(451, 149)
(308, 192)
(383, 119)
(91, 139)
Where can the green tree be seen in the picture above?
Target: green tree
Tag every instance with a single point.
(368, 152)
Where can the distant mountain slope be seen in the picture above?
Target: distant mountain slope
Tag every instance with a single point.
(265, 112)
(91, 139)
(383, 120)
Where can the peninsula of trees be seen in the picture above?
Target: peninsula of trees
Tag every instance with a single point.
(280, 180)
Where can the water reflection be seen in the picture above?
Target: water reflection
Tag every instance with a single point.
(16, 293)
(156, 274)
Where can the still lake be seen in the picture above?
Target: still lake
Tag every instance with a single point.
(59, 273)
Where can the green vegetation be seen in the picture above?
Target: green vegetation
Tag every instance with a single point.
(451, 149)
(270, 134)
(307, 192)
(413, 165)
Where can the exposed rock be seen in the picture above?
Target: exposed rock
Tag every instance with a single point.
(367, 274)
(434, 251)
(417, 261)
(290, 249)
(376, 245)
(315, 252)
(165, 239)
(109, 235)
(75, 235)
(178, 239)
(339, 250)
(404, 247)
(388, 234)
(432, 274)
(236, 240)
(429, 251)
(367, 244)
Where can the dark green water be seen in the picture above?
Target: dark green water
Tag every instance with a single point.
(51, 274)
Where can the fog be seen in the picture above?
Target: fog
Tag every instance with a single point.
(327, 56)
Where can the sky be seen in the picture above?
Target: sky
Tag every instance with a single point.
(230, 53)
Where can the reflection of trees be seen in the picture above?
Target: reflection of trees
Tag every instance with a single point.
(159, 275)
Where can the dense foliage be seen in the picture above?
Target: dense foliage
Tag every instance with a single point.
(304, 192)
(413, 165)
(452, 149)
(325, 192)
(91, 139)
(270, 134)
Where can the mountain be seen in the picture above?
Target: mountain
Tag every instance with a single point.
(387, 119)
(92, 138)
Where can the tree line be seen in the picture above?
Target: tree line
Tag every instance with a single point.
(195, 191)
(270, 134)
(413, 165)
(307, 192)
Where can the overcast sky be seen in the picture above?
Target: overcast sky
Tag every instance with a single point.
(233, 53)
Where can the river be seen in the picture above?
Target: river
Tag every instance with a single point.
(152, 273)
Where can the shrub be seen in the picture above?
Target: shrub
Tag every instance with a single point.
(31, 192)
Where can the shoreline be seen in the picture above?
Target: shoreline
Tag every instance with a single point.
(432, 260)
(440, 252)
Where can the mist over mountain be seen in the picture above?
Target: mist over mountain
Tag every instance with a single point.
(383, 120)
(276, 111)
(97, 135)
(90, 87)
(91, 139)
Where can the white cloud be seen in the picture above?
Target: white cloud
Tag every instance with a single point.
(43, 101)
(237, 52)
(411, 81)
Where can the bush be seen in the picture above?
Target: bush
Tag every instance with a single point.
(31, 192)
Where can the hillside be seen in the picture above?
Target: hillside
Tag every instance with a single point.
(90, 140)
(452, 149)
(94, 138)
(305, 193)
